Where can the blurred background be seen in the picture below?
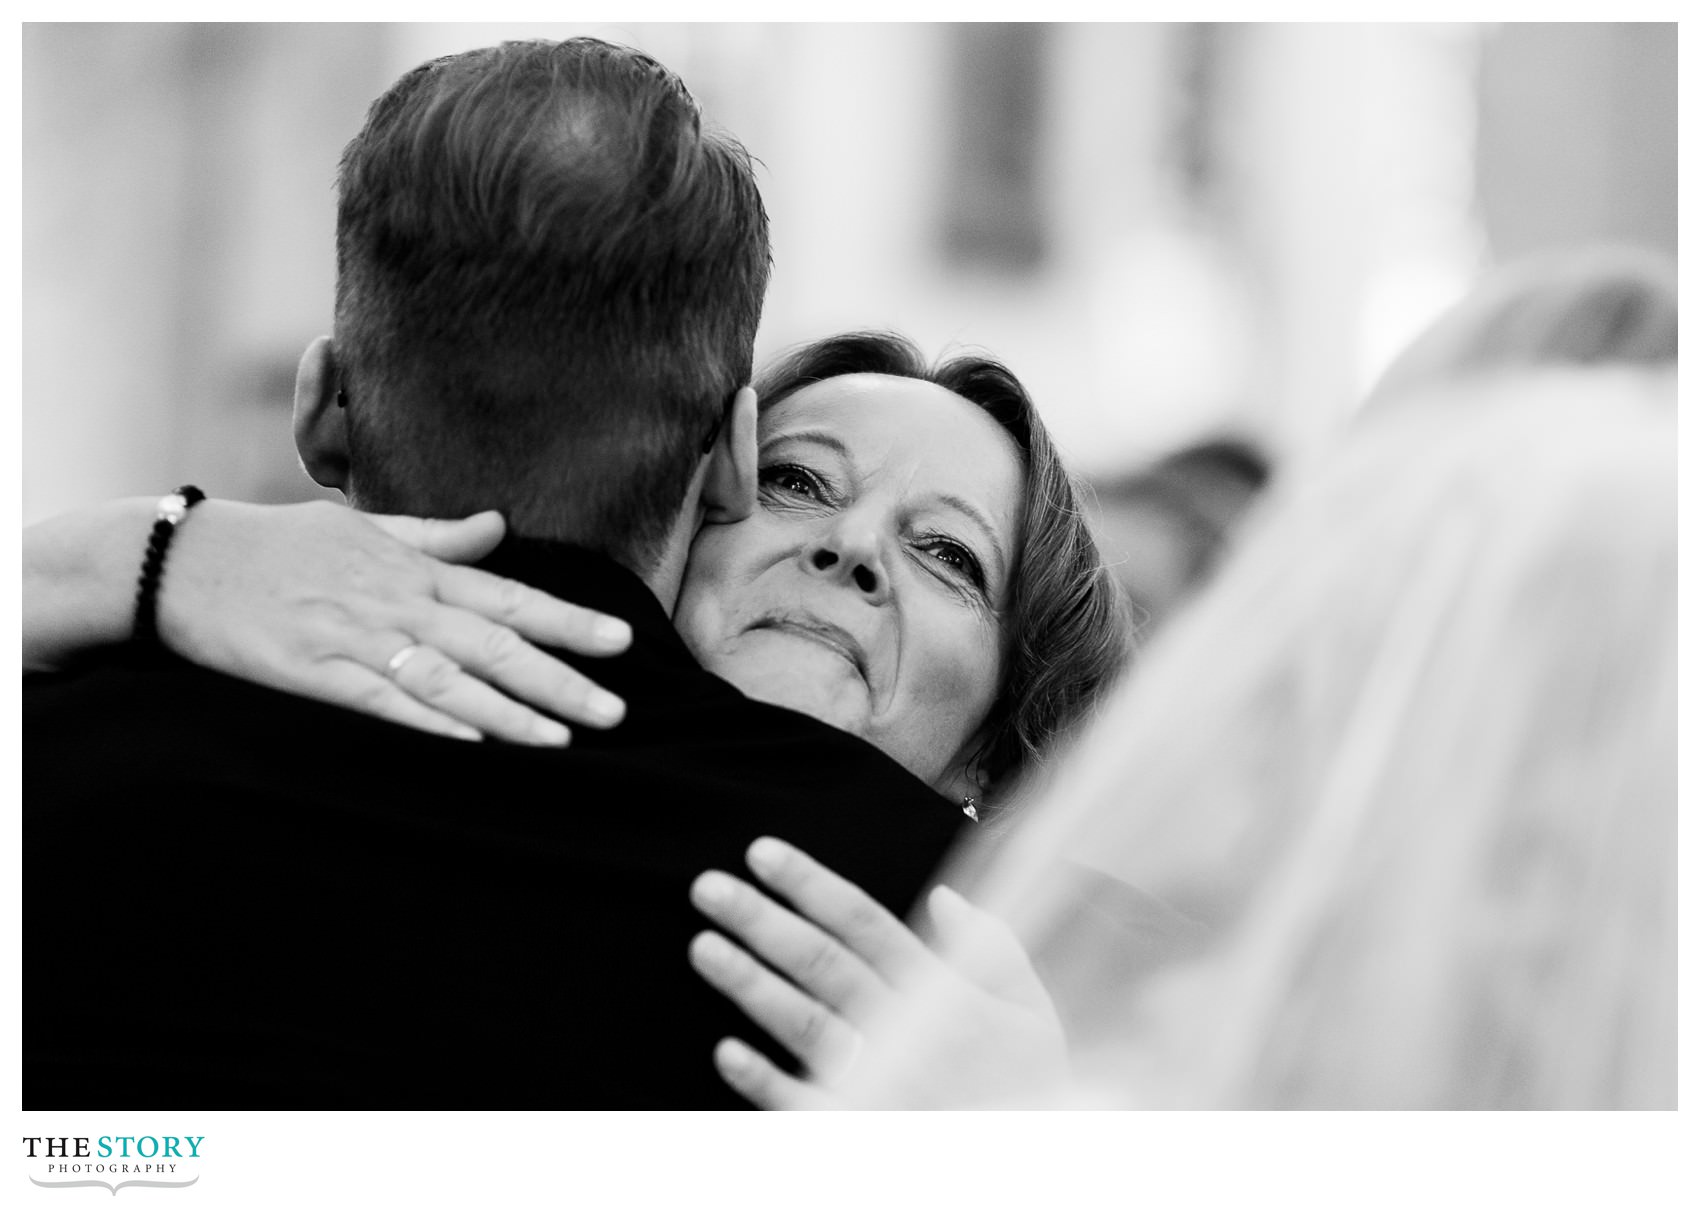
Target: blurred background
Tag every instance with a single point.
(1173, 233)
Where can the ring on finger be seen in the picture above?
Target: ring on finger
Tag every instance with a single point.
(405, 654)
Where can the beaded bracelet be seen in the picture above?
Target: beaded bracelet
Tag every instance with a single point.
(173, 508)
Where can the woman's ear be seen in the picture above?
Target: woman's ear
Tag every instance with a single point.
(321, 420)
(958, 784)
(729, 490)
(962, 778)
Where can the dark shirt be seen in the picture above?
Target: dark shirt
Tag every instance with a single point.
(235, 897)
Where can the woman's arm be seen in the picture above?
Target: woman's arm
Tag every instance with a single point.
(317, 599)
(877, 1016)
(79, 579)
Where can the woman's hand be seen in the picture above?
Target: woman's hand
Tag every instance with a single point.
(841, 966)
(319, 600)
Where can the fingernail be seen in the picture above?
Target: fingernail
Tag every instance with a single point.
(947, 900)
(549, 732)
(732, 1054)
(766, 855)
(710, 948)
(607, 708)
(613, 632)
(944, 892)
(711, 889)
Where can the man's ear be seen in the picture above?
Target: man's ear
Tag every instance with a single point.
(321, 421)
(729, 490)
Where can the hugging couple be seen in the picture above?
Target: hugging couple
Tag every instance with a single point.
(268, 863)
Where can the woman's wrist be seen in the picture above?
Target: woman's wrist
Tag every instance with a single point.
(79, 579)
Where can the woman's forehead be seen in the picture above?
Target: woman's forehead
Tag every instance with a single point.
(869, 407)
(940, 441)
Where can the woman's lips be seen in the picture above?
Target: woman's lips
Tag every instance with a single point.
(830, 635)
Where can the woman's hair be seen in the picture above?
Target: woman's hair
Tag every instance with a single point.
(1067, 632)
(1578, 307)
(1411, 758)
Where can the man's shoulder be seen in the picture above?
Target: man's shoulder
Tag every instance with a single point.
(722, 734)
(701, 765)
(154, 691)
(689, 737)
(142, 690)
(130, 720)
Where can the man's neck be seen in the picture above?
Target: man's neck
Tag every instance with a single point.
(666, 574)
(664, 581)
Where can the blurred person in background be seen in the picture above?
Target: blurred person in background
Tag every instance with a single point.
(1587, 306)
(1165, 528)
(1430, 825)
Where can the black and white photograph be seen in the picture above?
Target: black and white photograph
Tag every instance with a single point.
(1079, 570)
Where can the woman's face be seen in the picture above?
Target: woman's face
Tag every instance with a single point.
(866, 588)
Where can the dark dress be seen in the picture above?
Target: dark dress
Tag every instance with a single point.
(237, 898)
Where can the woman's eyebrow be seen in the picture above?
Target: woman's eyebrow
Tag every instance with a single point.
(818, 436)
(982, 522)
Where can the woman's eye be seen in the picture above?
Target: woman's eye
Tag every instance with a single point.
(954, 555)
(793, 480)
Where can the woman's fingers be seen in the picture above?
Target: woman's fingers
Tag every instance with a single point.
(812, 958)
(282, 594)
(478, 633)
(457, 540)
(531, 612)
(864, 926)
(764, 1083)
(808, 1030)
(501, 656)
(436, 681)
(536, 615)
(352, 685)
(984, 949)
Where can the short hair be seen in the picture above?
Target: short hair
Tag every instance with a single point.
(1067, 633)
(548, 284)
(1584, 306)
(1412, 757)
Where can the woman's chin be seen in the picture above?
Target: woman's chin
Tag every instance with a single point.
(838, 700)
(844, 705)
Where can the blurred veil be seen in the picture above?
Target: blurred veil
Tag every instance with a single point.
(1410, 763)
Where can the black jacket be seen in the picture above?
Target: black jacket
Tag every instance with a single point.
(237, 898)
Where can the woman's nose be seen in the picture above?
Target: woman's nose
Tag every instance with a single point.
(850, 555)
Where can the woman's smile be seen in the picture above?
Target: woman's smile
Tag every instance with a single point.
(815, 630)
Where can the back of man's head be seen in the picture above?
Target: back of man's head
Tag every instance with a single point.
(548, 284)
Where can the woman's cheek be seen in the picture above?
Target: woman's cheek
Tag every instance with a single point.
(974, 659)
(698, 619)
(706, 591)
(959, 674)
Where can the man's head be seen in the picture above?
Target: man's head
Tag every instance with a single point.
(548, 284)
